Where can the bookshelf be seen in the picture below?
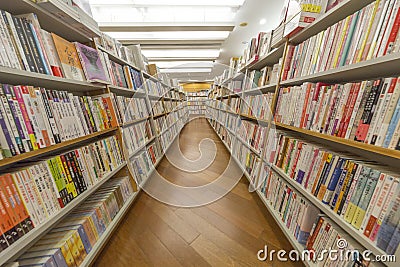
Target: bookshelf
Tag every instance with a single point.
(84, 33)
(51, 22)
(54, 148)
(383, 66)
(29, 239)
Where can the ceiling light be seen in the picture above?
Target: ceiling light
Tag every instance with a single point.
(243, 24)
(188, 71)
(169, 2)
(263, 21)
(176, 53)
(184, 64)
(170, 35)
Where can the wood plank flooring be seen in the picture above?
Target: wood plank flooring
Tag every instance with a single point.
(228, 232)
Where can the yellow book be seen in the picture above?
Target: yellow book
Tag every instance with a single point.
(69, 184)
(370, 24)
(341, 43)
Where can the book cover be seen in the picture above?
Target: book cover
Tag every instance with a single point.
(69, 58)
(91, 62)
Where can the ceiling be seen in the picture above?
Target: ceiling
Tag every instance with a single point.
(188, 39)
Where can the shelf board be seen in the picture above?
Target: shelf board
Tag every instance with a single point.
(50, 22)
(22, 244)
(269, 59)
(126, 124)
(269, 88)
(15, 76)
(54, 148)
(126, 91)
(354, 233)
(102, 241)
(156, 97)
(386, 66)
(141, 147)
(117, 59)
(160, 115)
(354, 145)
(258, 153)
(261, 122)
(336, 14)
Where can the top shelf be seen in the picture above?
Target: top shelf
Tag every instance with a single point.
(51, 21)
(16, 77)
(336, 14)
(116, 59)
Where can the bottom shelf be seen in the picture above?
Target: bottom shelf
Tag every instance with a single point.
(97, 248)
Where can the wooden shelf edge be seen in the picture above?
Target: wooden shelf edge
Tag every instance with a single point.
(53, 148)
(334, 139)
(16, 249)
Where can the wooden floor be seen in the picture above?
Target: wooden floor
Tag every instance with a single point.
(228, 232)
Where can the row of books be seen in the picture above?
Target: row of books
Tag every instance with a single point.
(33, 118)
(258, 106)
(170, 134)
(252, 134)
(31, 195)
(247, 158)
(368, 33)
(136, 135)
(157, 107)
(121, 75)
(132, 55)
(156, 88)
(70, 241)
(162, 123)
(130, 109)
(260, 78)
(222, 132)
(257, 48)
(365, 111)
(171, 105)
(356, 190)
(141, 166)
(155, 151)
(297, 214)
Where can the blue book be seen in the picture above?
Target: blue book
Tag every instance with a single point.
(333, 181)
(392, 125)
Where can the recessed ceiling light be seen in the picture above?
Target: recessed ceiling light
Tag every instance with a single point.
(263, 21)
(243, 24)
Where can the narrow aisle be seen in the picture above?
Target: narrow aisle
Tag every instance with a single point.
(228, 232)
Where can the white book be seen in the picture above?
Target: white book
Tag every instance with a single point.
(9, 47)
(388, 115)
(9, 121)
(45, 117)
(384, 5)
(388, 29)
(373, 202)
(13, 33)
(33, 195)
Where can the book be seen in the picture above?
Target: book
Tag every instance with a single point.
(70, 63)
(91, 62)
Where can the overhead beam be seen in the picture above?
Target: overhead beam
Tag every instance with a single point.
(181, 59)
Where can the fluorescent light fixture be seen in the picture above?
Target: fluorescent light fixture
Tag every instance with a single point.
(166, 14)
(173, 35)
(176, 53)
(169, 2)
(263, 21)
(199, 70)
(184, 64)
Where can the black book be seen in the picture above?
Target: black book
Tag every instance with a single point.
(25, 45)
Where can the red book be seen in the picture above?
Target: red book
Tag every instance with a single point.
(393, 34)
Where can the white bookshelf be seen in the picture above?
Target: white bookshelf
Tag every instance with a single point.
(29, 239)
